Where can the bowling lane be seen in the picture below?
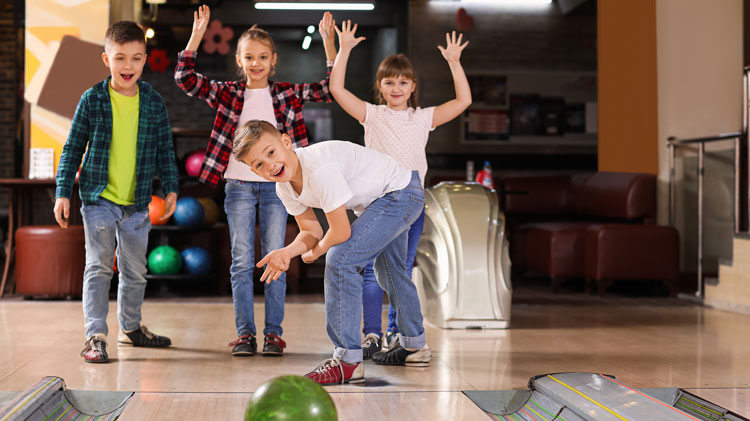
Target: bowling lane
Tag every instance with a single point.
(408, 406)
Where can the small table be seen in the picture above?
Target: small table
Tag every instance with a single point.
(19, 192)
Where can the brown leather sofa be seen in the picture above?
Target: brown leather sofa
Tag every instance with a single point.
(596, 226)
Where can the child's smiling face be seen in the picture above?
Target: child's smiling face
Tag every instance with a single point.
(256, 60)
(272, 158)
(125, 62)
(396, 91)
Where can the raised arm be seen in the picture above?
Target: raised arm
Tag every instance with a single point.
(326, 28)
(347, 100)
(310, 233)
(452, 53)
(320, 91)
(193, 83)
(200, 23)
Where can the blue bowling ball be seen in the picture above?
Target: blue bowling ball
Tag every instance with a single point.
(189, 212)
(196, 260)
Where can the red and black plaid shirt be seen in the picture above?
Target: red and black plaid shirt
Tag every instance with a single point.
(228, 98)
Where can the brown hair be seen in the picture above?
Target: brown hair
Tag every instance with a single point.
(123, 32)
(256, 34)
(248, 135)
(393, 66)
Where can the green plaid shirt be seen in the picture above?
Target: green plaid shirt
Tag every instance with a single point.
(92, 128)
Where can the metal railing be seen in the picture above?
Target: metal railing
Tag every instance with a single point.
(672, 145)
(740, 170)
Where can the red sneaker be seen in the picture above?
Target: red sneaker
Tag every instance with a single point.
(334, 371)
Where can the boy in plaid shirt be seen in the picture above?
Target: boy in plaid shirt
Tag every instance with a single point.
(123, 122)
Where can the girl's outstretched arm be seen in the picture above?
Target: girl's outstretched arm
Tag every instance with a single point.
(200, 23)
(453, 108)
(187, 79)
(347, 100)
(325, 27)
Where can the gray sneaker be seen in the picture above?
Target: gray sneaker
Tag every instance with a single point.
(390, 341)
(370, 345)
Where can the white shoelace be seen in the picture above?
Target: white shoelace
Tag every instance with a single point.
(93, 343)
(328, 364)
(369, 340)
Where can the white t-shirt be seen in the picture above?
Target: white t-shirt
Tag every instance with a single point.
(258, 106)
(401, 135)
(336, 173)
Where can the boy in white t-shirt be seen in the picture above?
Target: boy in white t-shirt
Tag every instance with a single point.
(335, 176)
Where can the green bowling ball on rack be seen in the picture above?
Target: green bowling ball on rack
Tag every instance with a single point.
(164, 260)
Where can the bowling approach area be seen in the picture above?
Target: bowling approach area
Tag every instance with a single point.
(644, 343)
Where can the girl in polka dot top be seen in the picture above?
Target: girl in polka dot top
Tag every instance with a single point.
(398, 127)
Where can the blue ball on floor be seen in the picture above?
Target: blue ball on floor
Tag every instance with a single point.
(196, 260)
(189, 212)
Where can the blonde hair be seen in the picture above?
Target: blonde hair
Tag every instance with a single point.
(248, 135)
(256, 34)
(393, 66)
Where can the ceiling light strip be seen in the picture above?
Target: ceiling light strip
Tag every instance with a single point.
(275, 5)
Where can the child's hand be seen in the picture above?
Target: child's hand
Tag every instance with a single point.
(170, 204)
(346, 35)
(62, 211)
(325, 27)
(200, 21)
(309, 257)
(453, 48)
(277, 263)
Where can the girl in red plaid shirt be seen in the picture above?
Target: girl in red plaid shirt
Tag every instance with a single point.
(254, 97)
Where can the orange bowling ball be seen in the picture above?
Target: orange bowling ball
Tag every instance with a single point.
(156, 210)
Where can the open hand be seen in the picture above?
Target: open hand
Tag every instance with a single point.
(326, 27)
(276, 262)
(62, 211)
(347, 39)
(200, 20)
(452, 51)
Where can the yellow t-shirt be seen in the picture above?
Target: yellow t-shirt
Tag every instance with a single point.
(122, 151)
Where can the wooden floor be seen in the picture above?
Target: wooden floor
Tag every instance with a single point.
(660, 343)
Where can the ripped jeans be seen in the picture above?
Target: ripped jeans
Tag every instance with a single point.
(108, 225)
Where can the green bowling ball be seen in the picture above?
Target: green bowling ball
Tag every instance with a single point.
(164, 260)
(290, 398)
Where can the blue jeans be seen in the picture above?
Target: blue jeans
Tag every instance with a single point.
(380, 233)
(241, 199)
(108, 225)
(372, 294)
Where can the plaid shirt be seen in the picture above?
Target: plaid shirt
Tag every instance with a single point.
(228, 98)
(92, 128)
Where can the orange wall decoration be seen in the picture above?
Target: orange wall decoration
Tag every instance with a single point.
(627, 73)
(64, 42)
